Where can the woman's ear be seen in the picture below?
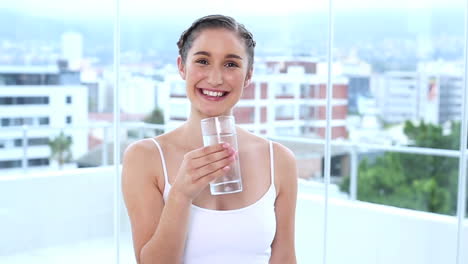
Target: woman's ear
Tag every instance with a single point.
(181, 66)
(248, 78)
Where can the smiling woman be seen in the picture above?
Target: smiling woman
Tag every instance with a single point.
(173, 215)
(216, 69)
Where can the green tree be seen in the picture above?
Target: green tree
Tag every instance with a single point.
(420, 182)
(60, 148)
(155, 117)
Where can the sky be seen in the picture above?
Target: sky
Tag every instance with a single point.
(191, 8)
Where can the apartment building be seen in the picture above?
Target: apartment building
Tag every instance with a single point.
(442, 91)
(433, 93)
(35, 102)
(398, 96)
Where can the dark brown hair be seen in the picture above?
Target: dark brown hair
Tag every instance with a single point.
(211, 22)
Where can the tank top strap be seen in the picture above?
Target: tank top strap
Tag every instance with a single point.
(272, 165)
(163, 161)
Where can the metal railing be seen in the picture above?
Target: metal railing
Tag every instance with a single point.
(141, 130)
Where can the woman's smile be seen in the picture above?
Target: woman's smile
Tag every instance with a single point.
(211, 94)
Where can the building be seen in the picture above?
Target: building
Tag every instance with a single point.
(358, 74)
(139, 93)
(72, 49)
(36, 102)
(433, 93)
(442, 91)
(398, 96)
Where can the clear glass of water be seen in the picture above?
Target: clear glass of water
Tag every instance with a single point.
(222, 129)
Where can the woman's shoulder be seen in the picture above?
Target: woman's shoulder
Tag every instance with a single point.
(283, 158)
(139, 154)
(279, 149)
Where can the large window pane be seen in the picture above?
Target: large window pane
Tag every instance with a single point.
(286, 95)
(410, 199)
(404, 73)
(53, 63)
(464, 231)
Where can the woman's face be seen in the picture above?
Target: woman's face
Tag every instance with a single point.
(215, 71)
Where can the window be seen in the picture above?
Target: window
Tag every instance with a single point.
(17, 121)
(5, 122)
(23, 121)
(283, 112)
(10, 164)
(52, 79)
(18, 142)
(38, 141)
(381, 51)
(38, 162)
(307, 112)
(24, 100)
(284, 90)
(6, 100)
(43, 121)
(306, 90)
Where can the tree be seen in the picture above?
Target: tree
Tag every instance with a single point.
(60, 148)
(420, 182)
(156, 117)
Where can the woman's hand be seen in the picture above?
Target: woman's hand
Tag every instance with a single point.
(202, 166)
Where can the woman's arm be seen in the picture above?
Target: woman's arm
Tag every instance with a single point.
(145, 208)
(283, 249)
(159, 230)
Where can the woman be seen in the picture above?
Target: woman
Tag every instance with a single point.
(166, 179)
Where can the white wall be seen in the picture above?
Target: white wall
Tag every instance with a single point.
(365, 233)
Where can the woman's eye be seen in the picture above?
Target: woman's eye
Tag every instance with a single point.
(204, 62)
(231, 64)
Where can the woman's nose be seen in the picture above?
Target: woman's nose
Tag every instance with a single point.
(215, 77)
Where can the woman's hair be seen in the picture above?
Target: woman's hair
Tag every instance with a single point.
(212, 22)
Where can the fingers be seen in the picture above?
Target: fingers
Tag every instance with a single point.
(212, 176)
(210, 158)
(198, 153)
(213, 167)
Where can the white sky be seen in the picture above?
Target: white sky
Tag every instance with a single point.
(174, 8)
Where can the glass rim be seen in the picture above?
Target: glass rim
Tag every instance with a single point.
(213, 117)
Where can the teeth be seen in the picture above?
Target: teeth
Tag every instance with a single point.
(211, 93)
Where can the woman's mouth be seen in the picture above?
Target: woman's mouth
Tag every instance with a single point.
(212, 95)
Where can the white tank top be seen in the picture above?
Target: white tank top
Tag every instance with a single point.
(230, 236)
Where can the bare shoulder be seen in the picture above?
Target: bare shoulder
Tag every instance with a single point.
(283, 153)
(145, 150)
(252, 140)
(142, 163)
(140, 152)
(139, 148)
(136, 156)
(285, 167)
(284, 159)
